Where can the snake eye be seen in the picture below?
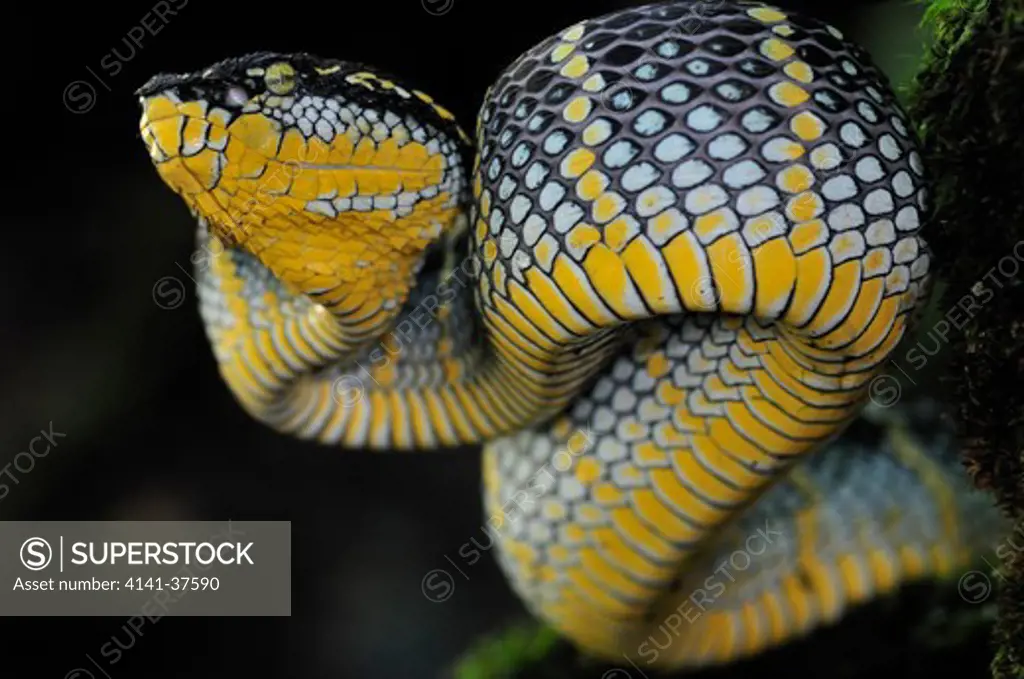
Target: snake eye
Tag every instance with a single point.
(280, 78)
(236, 97)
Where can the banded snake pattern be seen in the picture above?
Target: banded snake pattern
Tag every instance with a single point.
(655, 287)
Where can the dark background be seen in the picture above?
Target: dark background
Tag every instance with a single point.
(151, 431)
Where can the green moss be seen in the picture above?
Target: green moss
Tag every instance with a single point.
(950, 20)
(968, 101)
(503, 655)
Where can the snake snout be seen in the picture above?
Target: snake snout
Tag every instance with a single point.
(185, 143)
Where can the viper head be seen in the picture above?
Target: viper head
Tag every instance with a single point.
(328, 172)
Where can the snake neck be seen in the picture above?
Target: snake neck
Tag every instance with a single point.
(438, 371)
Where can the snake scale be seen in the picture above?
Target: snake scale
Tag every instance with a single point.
(656, 287)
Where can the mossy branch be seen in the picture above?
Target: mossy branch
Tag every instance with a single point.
(968, 100)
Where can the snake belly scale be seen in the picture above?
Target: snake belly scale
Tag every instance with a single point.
(688, 241)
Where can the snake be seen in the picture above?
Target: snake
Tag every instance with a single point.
(657, 285)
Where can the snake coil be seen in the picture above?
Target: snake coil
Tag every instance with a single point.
(689, 241)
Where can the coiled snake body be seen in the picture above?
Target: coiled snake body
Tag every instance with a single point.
(689, 241)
